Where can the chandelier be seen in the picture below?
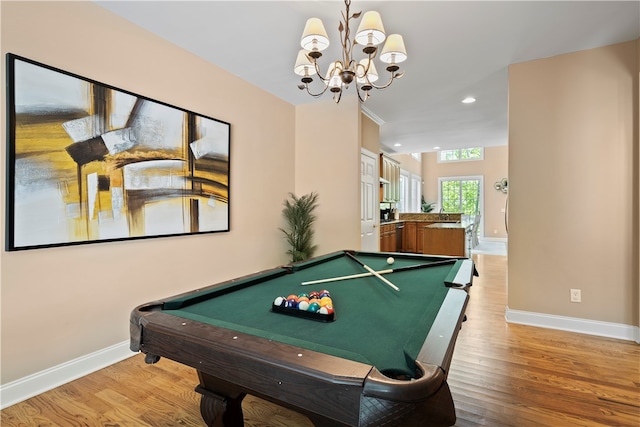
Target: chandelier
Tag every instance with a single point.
(343, 72)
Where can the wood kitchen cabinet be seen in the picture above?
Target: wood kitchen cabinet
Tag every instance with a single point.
(387, 238)
(409, 237)
(413, 236)
(444, 239)
(390, 172)
(420, 238)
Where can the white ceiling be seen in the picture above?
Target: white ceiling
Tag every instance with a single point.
(455, 49)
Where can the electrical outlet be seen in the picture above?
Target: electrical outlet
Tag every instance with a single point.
(576, 295)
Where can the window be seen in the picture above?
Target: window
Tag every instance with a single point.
(461, 194)
(460, 154)
(410, 192)
(416, 193)
(404, 204)
(417, 156)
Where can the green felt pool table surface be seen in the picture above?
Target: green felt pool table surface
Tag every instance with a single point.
(373, 323)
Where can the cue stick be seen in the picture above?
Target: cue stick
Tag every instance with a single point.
(388, 271)
(351, 276)
(372, 271)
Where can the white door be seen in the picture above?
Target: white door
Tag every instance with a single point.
(369, 213)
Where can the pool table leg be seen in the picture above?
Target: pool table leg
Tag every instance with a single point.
(220, 408)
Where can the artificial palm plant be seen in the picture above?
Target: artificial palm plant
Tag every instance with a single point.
(298, 212)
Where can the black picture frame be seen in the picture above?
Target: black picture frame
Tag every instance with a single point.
(88, 162)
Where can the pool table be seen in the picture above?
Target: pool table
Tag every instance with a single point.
(382, 358)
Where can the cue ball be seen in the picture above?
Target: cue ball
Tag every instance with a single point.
(390, 260)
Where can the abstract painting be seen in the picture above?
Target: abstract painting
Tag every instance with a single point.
(89, 163)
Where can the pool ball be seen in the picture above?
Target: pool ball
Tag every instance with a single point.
(280, 301)
(327, 309)
(314, 294)
(303, 305)
(291, 303)
(390, 260)
(324, 293)
(313, 307)
(325, 301)
(303, 296)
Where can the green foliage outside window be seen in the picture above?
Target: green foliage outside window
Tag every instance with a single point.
(461, 154)
(460, 196)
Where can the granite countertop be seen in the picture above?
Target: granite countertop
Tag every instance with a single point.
(462, 224)
(391, 221)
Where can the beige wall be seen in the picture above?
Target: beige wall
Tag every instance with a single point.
(573, 123)
(326, 161)
(370, 131)
(493, 168)
(62, 303)
(408, 163)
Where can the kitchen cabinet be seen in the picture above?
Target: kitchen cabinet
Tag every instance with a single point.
(388, 237)
(409, 237)
(413, 236)
(445, 239)
(390, 172)
(420, 237)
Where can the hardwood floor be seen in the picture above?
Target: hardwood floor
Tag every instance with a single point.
(501, 375)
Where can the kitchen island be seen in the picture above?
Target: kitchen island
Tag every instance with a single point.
(447, 238)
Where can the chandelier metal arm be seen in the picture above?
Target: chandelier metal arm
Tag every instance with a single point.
(394, 76)
(315, 95)
(315, 63)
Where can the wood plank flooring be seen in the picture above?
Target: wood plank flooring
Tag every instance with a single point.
(501, 375)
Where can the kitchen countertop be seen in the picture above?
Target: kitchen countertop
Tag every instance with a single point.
(463, 224)
(392, 221)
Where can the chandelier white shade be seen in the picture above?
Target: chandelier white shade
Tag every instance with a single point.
(303, 65)
(370, 29)
(393, 51)
(348, 70)
(314, 35)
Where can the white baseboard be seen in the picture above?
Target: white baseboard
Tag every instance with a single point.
(572, 324)
(34, 384)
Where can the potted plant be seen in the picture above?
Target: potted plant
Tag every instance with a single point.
(298, 212)
(426, 207)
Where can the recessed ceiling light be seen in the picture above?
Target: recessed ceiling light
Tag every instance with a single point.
(468, 100)
(397, 144)
(436, 148)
